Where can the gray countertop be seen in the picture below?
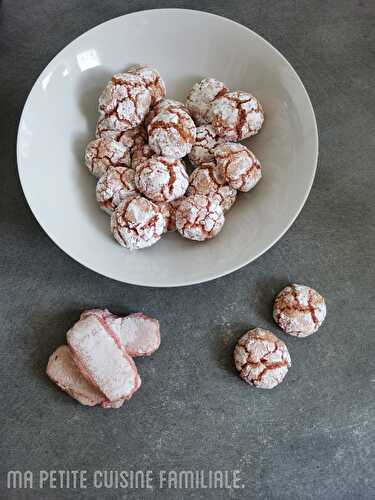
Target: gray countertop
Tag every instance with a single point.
(311, 438)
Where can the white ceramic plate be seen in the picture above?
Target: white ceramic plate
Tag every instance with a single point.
(60, 114)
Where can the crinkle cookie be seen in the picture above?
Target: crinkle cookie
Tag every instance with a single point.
(199, 218)
(163, 105)
(201, 96)
(162, 179)
(114, 186)
(238, 165)
(206, 139)
(168, 209)
(124, 103)
(207, 181)
(236, 116)
(137, 223)
(152, 81)
(172, 133)
(261, 358)
(104, 153)
(141, 154)
(299, 310)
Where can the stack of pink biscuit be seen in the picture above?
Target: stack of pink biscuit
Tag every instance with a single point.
(97, 367)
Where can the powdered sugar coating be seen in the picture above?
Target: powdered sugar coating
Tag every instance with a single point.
(261, 358)
(104, 153)
(141, 154)
(152, 81)
(206, 139)
(299, 310)
(163, 105)
(238, 165)
(172, 133)
(236, 116)
(137, 223)
(168, 209)
(131, 138)
(201, 96)
(162, 179)
(207, 181)
(124, 103)
(93, 344)
(199, 218)
(114, 186)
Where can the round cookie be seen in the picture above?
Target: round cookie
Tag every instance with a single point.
(168, 209)
(236, 116)
(114, 186)
(152, 81)
(124, 103)
(206, 139)
(299, 310)
(207, 181)
(199, 218)
(141, 154)
(131, 138)
(171, 133)
(162, 179)
(104, 153)
(200, 97)
(261, 358)
(137, 223)
(237, 165)
(162, 105)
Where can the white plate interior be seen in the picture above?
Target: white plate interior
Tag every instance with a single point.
(60, 115)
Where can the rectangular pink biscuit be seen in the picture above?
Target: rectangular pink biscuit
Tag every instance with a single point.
(102, 359)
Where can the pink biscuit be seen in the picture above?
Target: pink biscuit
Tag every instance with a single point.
(101, 358)
(138, 333)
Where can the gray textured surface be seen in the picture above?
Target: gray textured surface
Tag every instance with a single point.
(313, 437)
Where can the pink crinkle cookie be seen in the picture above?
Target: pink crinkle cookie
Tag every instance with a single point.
(114, 186)
(163, 105)
(124, 103)
(201, 96)
(141, 154)
(236, 116)
(104, 153)
(238, 165)
(137, 223)
(98, 353)
(132, 138)
(261, 358)
(138, 333)
(299, 310)
(171, 133)
(199, 218)
(152, 81)
(206, 139)
(208, 181)
(162, 179)
(168, 209)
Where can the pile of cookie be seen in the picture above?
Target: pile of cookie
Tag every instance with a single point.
(138, 155)
(261, 358)
(96, 367)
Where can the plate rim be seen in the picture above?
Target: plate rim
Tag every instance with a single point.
(213, 276)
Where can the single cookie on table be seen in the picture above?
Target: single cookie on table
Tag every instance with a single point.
(171, 133)
(168, 209)
(236, 116)
(162, 179)
(208, 181)
(206, 139)
(114, 186)
(237, 165)
(124, 103)
(137, 223)
(299, 310)
(141, 154)
(131, 138)
(199, 218)
(105, 153)
(261, 358)
(201, 96)
(151, 79)
(162, 105)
